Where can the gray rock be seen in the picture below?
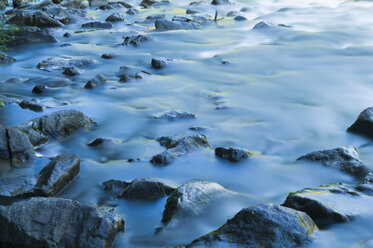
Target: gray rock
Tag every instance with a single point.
(240, 18)
(164, 25)
(62, 62)
(71, 71)
(159, 63)
(126, 72)
(265, 225)
(369, 178)
(30, 35)
(262, 25)
(232, 154)
(232, 13)
(156, 17)
(55, 125)
(98, 80)
(6, 60)
(115, 187)
(148, 188)
(38, 89)
(345, 159)
(151, 3)
(17, 3)
(97, 3)
(21, 149)
(191, 11)
(56, 222)
(132, 12)
(363, 124)
(178, 146)
(107, 56)
(76, 4)
(104, 142)
(98, 25)
(17, 187)
(31, 105)
(332, 203)
(116, 17)
(135, 40)
(4, 151)
(176, 115)
(220, 2)
(199, 129)
(35, 19)
(115, 5)
(58, 12)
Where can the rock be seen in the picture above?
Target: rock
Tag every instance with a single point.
(332, 203)
(76, 4)
(363, 124)
(132, 12)
(4, 150)
(17, 187)
(126, 72)
(38, 89)
(178, 146)
(2, 5)
(21, 149)
(57, 222)
(57, 174)
(30, 35)
(192, 198)
(149, 3)
(97, 25)
(191, 11)
(240, 18)
(176, 115)
(156, 17)
(164, 25)
(135, 40)
(35, 19)
(17, 3)
(62, 62)
(369, 178)
(98, 80)
(265, 225)
(115, 5)
(345, 159)
(67, 34)
(104, 142)
(232, 154)
(147, 188)
(116, 17)
(71, 71)
(107, 56)
(58, 12)
(115, 187)
(97, 3)
(55, 125)
(199, 129)
(220, 2)
(159, 63)
(232, 13)
(262, 25)
(6, 60)
(32, 105)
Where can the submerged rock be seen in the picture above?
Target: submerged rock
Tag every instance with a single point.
(36, 19)
(30, 35)
(363, 124)
(71, 71)
(265, 225)
(132, 12)
(104, 141)
(150, 3)
(126, 72)
(187, 24)
(20, 147)
(176, 115)
(32, 105)
(95, 82)
(116, 17)
(232, 154)
(159, 63)
(240, 18)
(115, 5)
(147, 188)
(135, 40)
(99, 25)
(62, 62)
(38, 89)
(332, 203)
(345, 159)
(76, 4)
(262, 25)
(56, 222)
(178, 146)
(4, 150)
(115, 187)
(220, 2)
(5, 60)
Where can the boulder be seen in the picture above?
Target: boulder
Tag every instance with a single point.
(4, 151)
(17, 187)
(31, 105)
(6, 60)
(232, 154)
(97, 3)
(76, 4)
(132, 12)
(98, 80)
(62, 62)
(98, 25)
(38, 89)
(176, 115)
(115, 17)
(135, 40)
(115, 5)
(21, 149)
(30, 35)
(71, 71)
(220, 2)
(56, 222)
(265, 225)
(159, 63)
(178, 146)
(35, 19)
(149, 3)
(345, 159)
(164, 25)
(363, 124)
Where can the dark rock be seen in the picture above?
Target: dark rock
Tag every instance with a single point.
(115, 187)
(67, 34)
(363, 124)
(30, 35)
(178, 146)
(135, 40)
(31, 105)
(220, 2)
(115, 5)
(4, 150)
(369, 178)
(38, 89)
(98, 25)
(265, 225)
(116, 17)
(159, 63)
(107, 56)
(97, 3)
(232, 154)
(76, 4)
(199, 129)
(56, 222)
(5, 60)
(232, 13)
(71, 71)
(164, 25)
(104, 141)
(98, 80)
(21, 149)
(126, 73)
(17, 3)
(262, 25)
(345, 159)
(191, 11)
(17, 187)
(65, 45)
(35, 19)
(245, 9)
(58, 13)
(2, 5)
(332, 203)
(61, 62)
(240, 18)
(147, 188)
(150, 3)
(176, 115)
(132, 12)
(55, 125)
(156, 17)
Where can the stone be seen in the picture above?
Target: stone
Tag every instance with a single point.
(345, 159)
(30, 35)
(369, 178)
(17, 187)
(147, 188)
(35, 19)
(104, 142)
(132, 12)
(62, 62)
(240, 18)
(159, 63)
(58, 12)
(232, 154)
(135, 40)
(38, 89)
(164, 25)
(262, 25)
(150, 3)
(98, 25)
(191, 11)
(176, 115)
(4, 150)
(31, 105)
(67, 34)
(232, 13)
(97, 3)
(115, 187)
(107, 56)
(178, 146)
(6, 60)
(76, 4)
(364, 124)
(57, 222)
(265, 225)
(115, 17)
(21, 149)
(156, 17)
(220, 2)
(98, 80)
(115, 5)
(199, 129)
(71, 71)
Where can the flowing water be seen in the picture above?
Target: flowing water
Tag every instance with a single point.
(286, 91)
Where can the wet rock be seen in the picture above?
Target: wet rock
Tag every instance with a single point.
(265, 225)
(55, 125)
(176, 115)
(245, 9)
(126, 72)
(135, 40)
(240, 18)
(150, 3)
(232, 154)
(178, 146)
(2, 5)
(345, 159)
(116, 17)
(363, 124)
(191, 11)
(115, 5)
(6, 60)
(17, 3)
(23, 225)
(115, 187)
(369, 178)
(4, 151)
(332, 203)
(30, 35)
(132, 12)
(67, 34)
(61, 62)
(220, 2)
(98, 80)
(98, 25)
(58, 12)
(107, 56)
(192, 198)
(164, 25)
(32, 105)
(97, 3)
(35, 19)
(76, 4)
(199, 129)
(159, 63)
(71, 71)
(20, 147)
(262, 25)
(156, 17)
(17, 187)
(104, 142)
(232, 13)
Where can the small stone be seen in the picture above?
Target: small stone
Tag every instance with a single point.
(98, 25)
(38, 89)
(67, 34)
(240, 18)
(156, 17)
(363, 124)
(135, 40)
(32, 105)
(71, 71)
(159, 63)
(96, 81)
(191, 11)
(104, 141)
(116, 17)
(132, 12)
(220, 2)
(231, 154)
(176, 115)
(107, 56)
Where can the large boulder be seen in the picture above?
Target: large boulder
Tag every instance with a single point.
(17, 187)
(345, 159)
(265, 225)
(55, 222)
(30, 35)
(62, 62)
(332, 203)
(35, 19)
(363, 124)
(178, 146)
(20, 148)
